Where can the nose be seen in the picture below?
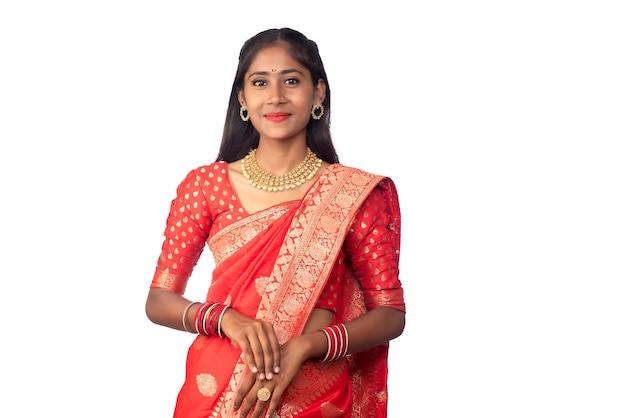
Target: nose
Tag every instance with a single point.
(276, 94)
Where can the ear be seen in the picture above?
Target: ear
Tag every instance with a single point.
(320, 91)
(241, 98)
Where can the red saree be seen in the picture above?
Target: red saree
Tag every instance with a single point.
(278, 265)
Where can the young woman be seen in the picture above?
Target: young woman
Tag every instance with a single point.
(305, 294)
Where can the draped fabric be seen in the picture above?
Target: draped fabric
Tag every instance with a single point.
(337, 247)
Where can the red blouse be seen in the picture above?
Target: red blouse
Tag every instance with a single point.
(205, 202)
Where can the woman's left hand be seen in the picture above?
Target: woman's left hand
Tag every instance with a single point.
(257, 341)
(248, 397)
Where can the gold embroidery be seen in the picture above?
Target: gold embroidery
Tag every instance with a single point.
(318, 251)
(232, 238)
(207, 385)
(328, 224)
(260, 283)
(169, 281)
(330, 410)
(291, 307)
(311, 384)
(344, 201)
(382, 396)
(305, 279)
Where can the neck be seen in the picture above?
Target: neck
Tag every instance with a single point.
(280, 160)
(262, 179)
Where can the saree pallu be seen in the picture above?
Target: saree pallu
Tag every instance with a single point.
(273, 265)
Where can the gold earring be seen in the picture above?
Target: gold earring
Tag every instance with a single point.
(317, 111)
(244, 114)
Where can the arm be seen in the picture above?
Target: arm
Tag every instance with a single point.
(165, 307)
(256, 339)
(369, 330)
(187, 229)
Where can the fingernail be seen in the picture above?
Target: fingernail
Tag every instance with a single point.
(276, 369)
(269, 375)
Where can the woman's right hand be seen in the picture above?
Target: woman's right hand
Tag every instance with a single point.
(295, 352)
(257, 341)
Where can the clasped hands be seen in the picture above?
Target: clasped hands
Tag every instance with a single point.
(272, 366)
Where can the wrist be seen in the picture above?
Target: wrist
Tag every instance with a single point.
(314, 344)
(208, 318)
(336, 342)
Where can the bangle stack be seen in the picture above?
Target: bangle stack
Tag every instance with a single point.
(337, 342)
(208, 319)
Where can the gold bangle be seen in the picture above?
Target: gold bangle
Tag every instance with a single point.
(185, 316)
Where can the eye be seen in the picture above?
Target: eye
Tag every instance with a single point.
(259, 82)
(292, 81)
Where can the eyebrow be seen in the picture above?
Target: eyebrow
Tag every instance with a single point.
(283, 72)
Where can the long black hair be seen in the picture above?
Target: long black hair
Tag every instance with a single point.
(240, 137)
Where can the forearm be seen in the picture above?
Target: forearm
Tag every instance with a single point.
(373, 328)
(166, 308)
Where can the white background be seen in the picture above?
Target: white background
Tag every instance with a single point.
(502, 123)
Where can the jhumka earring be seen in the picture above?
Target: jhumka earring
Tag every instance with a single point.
(317, 111)
(244, 114)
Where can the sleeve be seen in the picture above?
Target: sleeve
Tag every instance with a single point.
(186, 232)
(373, 246)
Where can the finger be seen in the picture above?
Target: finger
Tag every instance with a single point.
(263, 395)
(254, 351)
(271, 350)
(243, 333)
(257, 355)
(272, 406)
(249, 356)
(266, 350)
(244, 390)
(242, 342)
(247, 404)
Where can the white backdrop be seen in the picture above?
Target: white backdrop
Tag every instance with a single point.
(502, 124)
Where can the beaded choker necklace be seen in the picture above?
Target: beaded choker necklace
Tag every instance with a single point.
(263, 180)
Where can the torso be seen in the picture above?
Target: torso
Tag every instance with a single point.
(254, 200)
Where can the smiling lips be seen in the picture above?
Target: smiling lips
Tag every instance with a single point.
(277, 116)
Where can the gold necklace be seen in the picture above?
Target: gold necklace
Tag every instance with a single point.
(263, 180)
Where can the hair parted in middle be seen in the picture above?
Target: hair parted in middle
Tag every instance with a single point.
(239, 138)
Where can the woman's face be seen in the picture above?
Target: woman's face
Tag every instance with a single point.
(279, 94)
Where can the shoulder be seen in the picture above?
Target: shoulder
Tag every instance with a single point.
(379, 187)
(207, 172)
(360, 175)
(338, 168)
(202, 176)
(210, 170)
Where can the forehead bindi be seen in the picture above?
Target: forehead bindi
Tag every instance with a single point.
(275, 60)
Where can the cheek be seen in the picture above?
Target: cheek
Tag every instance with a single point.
(305, 102)
(253, 102)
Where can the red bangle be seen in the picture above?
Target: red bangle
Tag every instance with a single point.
(337, 336)
(208, 318)
(201, 315)
(198, 318)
